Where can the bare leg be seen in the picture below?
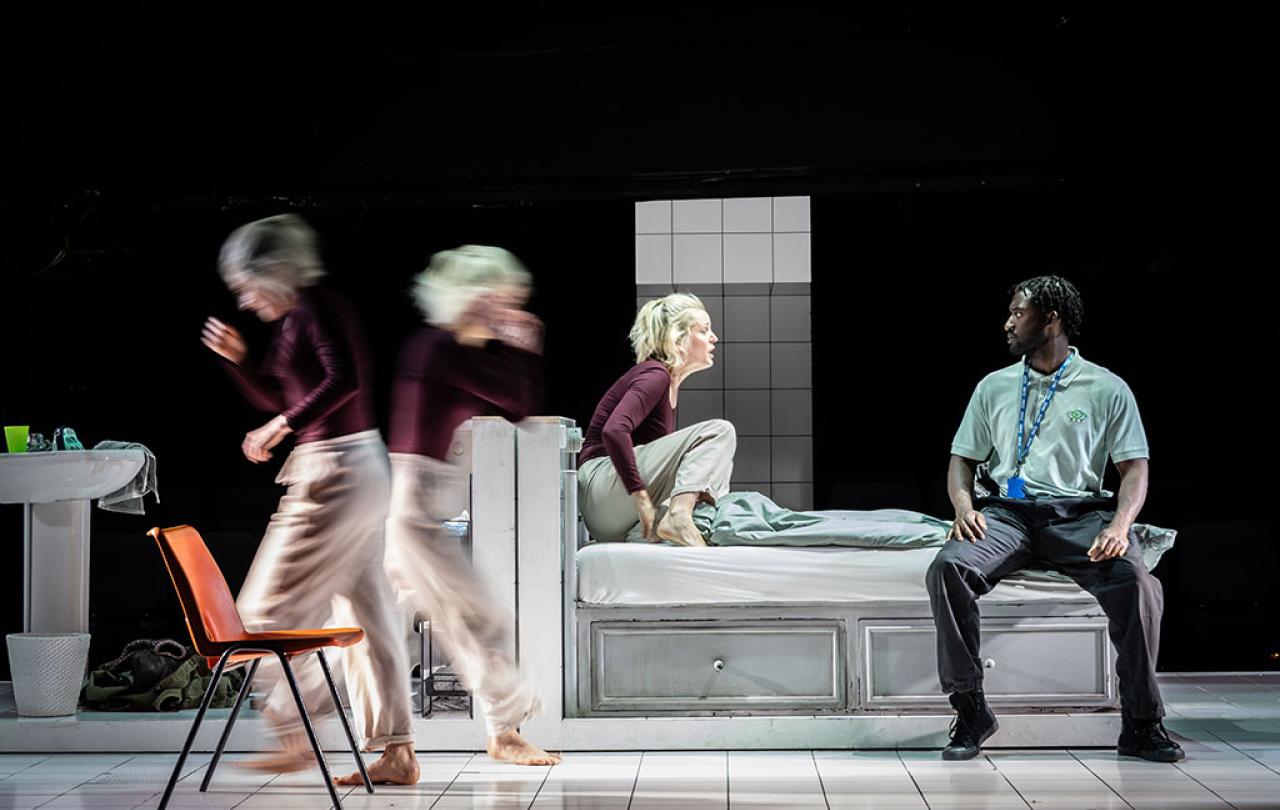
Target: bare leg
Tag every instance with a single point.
(398, 765)
(509, 746)
(676, 525)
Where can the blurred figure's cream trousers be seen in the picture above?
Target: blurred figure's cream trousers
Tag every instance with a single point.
(434, 579)
(323, 555)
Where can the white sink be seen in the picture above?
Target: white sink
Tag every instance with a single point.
(55, 489)
(65, 475)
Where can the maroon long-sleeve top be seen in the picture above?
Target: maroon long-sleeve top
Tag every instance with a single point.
(440, 383)
(635, 410)
(315, 371)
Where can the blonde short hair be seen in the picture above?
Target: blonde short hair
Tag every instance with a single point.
(277, 252)
(455, 277)
(661, 327)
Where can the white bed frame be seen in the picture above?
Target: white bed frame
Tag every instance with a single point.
(795, 675)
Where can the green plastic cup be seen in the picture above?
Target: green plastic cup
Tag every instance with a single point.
(15, 437)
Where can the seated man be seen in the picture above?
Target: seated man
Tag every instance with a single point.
(1047, 425)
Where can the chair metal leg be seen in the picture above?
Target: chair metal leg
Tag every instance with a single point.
(424, 694)
(195, 727)
(311, 732)
(429, 676)
(346, 724)
(231, 722)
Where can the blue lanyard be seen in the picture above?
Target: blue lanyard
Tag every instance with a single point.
(1044, 406)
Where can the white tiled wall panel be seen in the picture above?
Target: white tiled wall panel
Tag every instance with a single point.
(748, 258)
(792, 459)
(696, 258)
(653, 259)
(790, 214)
(791, 257)
(789, 317)
(748, 215)
(751, 463)
(746, 318)
(793, 496)
(698, 406)
(790, 365)
(733, 253)
(653, 217)
(748, 411)
(696, 216)
(746, 365)
(792, 412)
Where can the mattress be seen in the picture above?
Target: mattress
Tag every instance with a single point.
(645, 574)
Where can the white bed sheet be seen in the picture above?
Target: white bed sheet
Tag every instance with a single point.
(645, 574)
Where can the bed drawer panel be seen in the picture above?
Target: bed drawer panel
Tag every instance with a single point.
(1029, 662)
(672, 666)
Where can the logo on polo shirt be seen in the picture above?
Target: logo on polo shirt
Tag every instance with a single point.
(1077, 415)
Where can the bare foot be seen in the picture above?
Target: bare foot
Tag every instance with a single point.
(398, 765)
(509, 746)
(677, 527)
(280, 762)
(296, 756)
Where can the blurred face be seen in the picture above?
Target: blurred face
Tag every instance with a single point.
(491, 307)
(700, 343)
(269, 302)
(1026, 328)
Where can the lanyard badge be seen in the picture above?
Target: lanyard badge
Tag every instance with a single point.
(1017, 485)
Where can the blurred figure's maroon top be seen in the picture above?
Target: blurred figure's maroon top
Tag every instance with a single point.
(440, 384)
(634, 411)
(315, 371)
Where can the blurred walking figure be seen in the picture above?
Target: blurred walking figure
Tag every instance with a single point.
(324, 545)
(480, 354)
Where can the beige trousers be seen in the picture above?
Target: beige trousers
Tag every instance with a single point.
(698, 458)
(435, 580)
(323, 555)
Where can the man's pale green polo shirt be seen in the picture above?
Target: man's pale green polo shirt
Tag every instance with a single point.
(1093, 417)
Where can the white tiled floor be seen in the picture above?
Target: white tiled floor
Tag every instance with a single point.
(1228, 724)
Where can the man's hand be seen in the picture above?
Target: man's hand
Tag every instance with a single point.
(258, 443)
(1111, 542)
(647, 512)
(970, 525)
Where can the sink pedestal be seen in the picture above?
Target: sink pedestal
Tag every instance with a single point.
(56, 555)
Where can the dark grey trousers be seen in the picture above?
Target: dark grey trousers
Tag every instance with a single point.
(1052, 533)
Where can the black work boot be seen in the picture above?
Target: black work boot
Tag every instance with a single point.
(1147, 739)
(974, 723)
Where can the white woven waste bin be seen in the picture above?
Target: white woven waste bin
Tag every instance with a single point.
(47, 670)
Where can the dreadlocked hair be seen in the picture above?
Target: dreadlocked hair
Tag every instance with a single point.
(1055, 294)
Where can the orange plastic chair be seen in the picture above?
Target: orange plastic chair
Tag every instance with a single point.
(219, 635)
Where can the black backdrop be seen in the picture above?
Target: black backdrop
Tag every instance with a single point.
(947, 159)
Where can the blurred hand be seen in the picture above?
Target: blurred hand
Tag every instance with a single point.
(224, 340)
(257, 444)
(520, 329)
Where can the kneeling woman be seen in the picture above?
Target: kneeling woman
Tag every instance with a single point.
(632, 463)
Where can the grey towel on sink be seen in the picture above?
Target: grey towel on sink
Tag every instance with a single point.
(128, 498)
